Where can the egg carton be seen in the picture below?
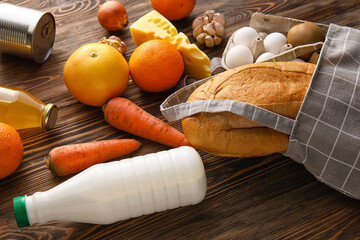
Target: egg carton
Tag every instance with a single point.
(266, 23)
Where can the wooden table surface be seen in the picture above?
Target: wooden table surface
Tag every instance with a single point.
(270, 197)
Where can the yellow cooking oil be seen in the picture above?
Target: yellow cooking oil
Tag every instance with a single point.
(21, 110)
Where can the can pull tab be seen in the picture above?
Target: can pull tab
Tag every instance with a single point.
(46, 29)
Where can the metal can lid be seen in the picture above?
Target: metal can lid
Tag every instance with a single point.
(43, 37)
(49, 116)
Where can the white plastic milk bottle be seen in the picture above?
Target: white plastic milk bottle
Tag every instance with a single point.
(109, 192)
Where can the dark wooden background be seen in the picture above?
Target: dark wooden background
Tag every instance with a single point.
(269, 197)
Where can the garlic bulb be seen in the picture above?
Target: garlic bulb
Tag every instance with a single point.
(209, 28)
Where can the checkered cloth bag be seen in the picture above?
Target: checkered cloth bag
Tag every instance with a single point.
(325, 136)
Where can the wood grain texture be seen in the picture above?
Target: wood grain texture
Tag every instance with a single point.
(270, 197)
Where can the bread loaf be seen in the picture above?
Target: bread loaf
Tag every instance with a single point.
(278, 87)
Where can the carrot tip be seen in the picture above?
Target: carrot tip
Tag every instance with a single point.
(103, 107)
(48, 163)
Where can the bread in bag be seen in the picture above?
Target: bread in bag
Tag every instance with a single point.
(276, 86)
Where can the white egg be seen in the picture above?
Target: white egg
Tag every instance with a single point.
(265, 56)
(297, 60)
(238, 55)
(274, 42)
(245, 36)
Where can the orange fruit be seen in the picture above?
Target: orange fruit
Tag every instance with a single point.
(112, 16)
(156, 66)
(95, 73)
(174, 9)
(11, 150)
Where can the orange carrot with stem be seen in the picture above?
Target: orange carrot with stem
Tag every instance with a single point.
(125, 115)
(73, 158)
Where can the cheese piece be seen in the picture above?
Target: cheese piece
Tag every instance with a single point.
(196, 62)
(152, 26)
(155, 26)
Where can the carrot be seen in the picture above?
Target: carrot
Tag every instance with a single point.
(73, 158)
(125, 115)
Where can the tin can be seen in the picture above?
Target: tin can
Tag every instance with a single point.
(26, 32)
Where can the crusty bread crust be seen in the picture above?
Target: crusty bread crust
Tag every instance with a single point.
(278, 87)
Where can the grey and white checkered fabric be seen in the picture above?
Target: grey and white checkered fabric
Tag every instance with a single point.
(325, 136)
